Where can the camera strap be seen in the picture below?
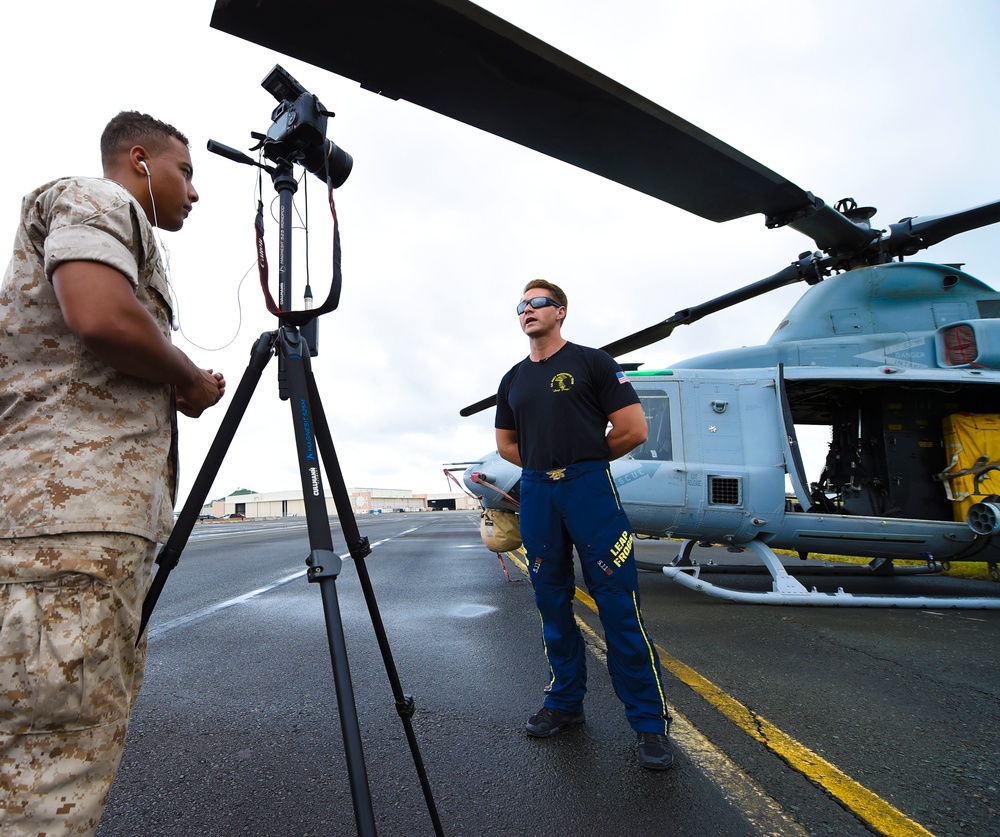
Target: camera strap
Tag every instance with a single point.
(298, 318)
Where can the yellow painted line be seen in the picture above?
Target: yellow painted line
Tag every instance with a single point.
(855, 797)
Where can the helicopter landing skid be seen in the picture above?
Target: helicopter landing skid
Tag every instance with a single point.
(788, 591)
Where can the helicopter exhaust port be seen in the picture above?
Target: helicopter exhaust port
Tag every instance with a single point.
(984, 518)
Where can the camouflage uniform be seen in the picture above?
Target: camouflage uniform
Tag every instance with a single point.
(88, 468)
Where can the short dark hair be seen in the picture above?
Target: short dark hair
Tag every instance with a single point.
(130, 128)
(558, 294)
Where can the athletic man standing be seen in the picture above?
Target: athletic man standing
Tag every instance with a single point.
(553, 410)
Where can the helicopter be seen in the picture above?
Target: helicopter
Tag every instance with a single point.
(895, 357)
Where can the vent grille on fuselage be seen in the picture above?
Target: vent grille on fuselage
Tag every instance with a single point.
(725, 491)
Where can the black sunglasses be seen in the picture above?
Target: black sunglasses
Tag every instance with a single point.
(536, 302)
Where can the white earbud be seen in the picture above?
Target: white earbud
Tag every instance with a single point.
(175, 322)
(175, 319)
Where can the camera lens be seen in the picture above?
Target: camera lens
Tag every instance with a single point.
(341, 163)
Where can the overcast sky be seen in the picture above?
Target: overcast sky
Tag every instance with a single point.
(892, 103)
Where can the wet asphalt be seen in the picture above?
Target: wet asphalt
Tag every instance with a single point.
(237, 730)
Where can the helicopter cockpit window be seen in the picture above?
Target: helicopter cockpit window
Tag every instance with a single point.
(658, 445)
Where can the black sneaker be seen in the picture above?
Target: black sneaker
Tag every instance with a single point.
(548, 722)
(654, 751)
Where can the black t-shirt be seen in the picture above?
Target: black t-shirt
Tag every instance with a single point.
(559, 408)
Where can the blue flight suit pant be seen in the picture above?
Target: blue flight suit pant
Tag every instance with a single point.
(579, 506)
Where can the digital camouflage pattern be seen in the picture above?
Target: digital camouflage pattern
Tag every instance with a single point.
(83, 447)
(69, 675)
(88, 469)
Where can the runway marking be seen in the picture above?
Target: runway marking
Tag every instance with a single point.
(860, 801)
(156, 631)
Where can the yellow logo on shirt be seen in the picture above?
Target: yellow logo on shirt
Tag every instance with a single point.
(562, 382)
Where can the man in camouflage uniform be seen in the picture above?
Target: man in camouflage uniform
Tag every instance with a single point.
(89, 388)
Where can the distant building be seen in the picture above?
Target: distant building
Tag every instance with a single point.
(363, 501)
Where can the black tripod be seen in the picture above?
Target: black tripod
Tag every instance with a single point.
(312, 434)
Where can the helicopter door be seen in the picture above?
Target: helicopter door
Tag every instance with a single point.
(793, 456)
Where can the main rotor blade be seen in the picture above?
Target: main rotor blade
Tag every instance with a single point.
(810, 268)
(478, 407)
(461, 61)
(914, 234)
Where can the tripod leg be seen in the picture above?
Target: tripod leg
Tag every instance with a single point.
(170, 553)
(359, 548)
(324, 567)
